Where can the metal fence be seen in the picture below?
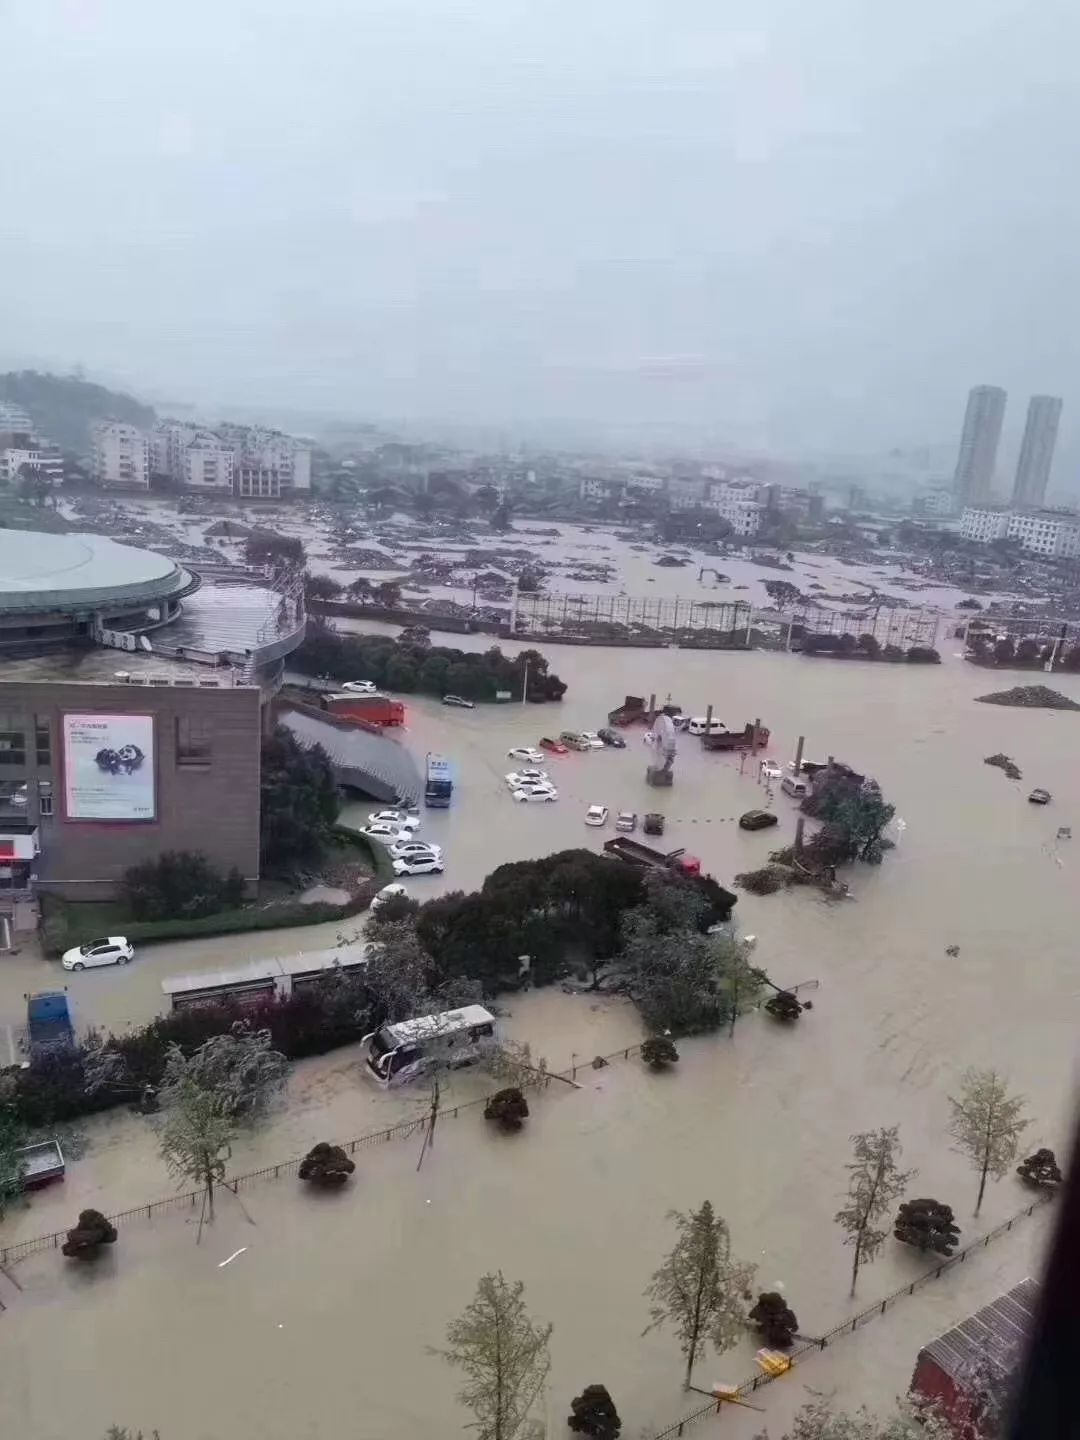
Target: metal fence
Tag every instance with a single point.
(848, 1327)
(403, 1130)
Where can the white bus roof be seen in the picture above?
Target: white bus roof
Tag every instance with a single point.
(426, 1027)
(308, 962)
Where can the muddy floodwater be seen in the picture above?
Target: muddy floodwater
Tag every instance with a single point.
(321, 1326)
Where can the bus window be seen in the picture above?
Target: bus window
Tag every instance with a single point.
(481, 1032)
(403, 1057)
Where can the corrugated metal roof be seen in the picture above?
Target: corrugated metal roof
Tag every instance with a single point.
(381, 767)
(997, 1333)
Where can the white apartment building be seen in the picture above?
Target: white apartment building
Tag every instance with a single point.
(686, 494)
(14, 419)
(208, 467)
(121, 455)
(646, 484)
(1043, 532)
(253, 481)
(1046, 533)
(264, 451)
(736, 503)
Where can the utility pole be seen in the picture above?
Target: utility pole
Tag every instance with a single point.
(525, 681)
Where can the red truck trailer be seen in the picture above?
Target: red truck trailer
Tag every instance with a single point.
(370, 709)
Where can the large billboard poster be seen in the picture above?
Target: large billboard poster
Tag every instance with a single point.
(109, 767)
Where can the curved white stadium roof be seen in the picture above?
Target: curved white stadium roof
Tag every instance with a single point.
(61, 572)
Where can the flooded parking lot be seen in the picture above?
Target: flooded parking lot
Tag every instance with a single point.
(323, 1323)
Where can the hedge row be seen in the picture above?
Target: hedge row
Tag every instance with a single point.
(60, 930)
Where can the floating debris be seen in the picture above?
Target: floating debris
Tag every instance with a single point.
(1003, 762)
(1039, 697)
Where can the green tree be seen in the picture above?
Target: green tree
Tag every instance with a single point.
(298, 799)
(986, 1125)
(700, 1288)
(230, 1081)
(398, 970)
(180, 883)
(740, 982)
(401, 674)
(12, 1164)
(320, 587)
(819, 1420)
(875, 1183)
(503, 1354)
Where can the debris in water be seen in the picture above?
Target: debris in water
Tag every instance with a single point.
(1030, 696)
(232, 1257)
(1002, 762)
(952, 950)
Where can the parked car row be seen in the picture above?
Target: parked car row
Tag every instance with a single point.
(396, 830)
(531, 785)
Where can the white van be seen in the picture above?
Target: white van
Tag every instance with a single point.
(698, 726)
(397, 1053)
(795, 785)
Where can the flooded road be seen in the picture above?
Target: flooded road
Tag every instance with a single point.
(363, 1282)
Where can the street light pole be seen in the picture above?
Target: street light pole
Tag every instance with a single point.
(524, 681)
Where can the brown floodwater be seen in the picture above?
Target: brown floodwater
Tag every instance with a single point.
(361, 1284)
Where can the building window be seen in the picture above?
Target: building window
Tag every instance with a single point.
(43, 742)
(194, 740)
(45, 798)
(12, 747)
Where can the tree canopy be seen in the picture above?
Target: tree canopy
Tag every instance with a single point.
(298, 799)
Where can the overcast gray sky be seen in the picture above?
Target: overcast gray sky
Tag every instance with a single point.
(806, 225)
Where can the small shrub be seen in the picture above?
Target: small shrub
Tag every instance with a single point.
(659, 1051)
(508, 1108)
(765, 881)
(84, 1242)
(923, 655)
(1040, 1170)
(326, 1165)
(927, 1225)
(893, 653)
(180, 884)
(774, 1320)
(784, 1006)
(594, 1414)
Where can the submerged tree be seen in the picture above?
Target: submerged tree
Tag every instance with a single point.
(326, 1165)
(508, 1108)
(12, 1163)
(93, 1230)
(700, 1289)
(784, 1005)
(986, 1125)
(819, 1420)
(594, 1414)
(503, 1353)
(775, 1319)
(875, 1183)
(228, 1082)
(1041, 1170)
(659, 1051)
(927, 1225)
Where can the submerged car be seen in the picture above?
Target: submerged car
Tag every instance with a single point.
(359, 687)
(459, 701)
(757, 820)
(113, 950)
(382, 832)
(388, 892)
(525, 752)
(400, 819)
(407, 846)
(555, 746)
(527, 776)
(592, 739)
(542, 793)
(612, 737)
(418, 865)
(596, 815)
(626, 820)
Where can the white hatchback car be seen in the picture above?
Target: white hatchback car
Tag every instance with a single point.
(401, 819)
(388, 892)
(596, 815)
(595, 743)
(113, 950)
(526, 752)
(526, 793)
(419, 865)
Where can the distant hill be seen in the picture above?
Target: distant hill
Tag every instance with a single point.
(63, 408)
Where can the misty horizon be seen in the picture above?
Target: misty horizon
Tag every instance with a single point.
(799, 234)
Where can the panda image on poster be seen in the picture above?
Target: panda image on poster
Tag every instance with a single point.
(109, 767)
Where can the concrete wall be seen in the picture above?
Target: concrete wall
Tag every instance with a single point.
(212, 806)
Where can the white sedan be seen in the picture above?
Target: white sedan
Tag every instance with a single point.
(429, 864)
(382, 832)
(113, 950)
(406, 846)
(770, 770)
(596, 815)
(525, 793)
(592, 739)
(527, 776)
(526, 752)
(400, 819)
(360, 687)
